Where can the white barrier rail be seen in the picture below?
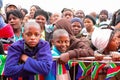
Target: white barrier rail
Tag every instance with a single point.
(106, 59)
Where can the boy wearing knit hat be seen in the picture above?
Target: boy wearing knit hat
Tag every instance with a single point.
(77, 26)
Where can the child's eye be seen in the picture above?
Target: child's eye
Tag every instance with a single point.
(59, 41)
(29, 34)
(67, 41)
(37, 34)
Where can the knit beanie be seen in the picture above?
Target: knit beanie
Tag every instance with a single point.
(41, 12)
(117, 20)
(75, 19)
(100, 38)
(91, 18)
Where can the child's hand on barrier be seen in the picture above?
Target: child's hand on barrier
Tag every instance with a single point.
(98, 56)
(115, 56)
(64, 57)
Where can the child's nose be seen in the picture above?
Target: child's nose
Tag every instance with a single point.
(33, 37)
(63, 44)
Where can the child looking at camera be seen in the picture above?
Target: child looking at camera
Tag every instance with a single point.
(29, 56)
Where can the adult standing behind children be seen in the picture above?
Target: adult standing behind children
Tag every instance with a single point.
(89, 26)
(29, 56)
(41, 17)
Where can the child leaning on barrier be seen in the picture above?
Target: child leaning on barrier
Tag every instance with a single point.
(29, 56)
(78, 47)
(60, 44)
(106, 41)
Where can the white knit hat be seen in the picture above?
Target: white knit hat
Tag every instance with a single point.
(100, 38)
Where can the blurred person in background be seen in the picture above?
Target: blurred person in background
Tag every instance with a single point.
(80, 14)
(103, 19)
(23, 11)
(33, 8)
(67, 14)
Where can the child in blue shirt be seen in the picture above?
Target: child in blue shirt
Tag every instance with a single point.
(29, 56)
(60, 42)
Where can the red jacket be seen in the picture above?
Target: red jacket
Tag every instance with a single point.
(6, 32)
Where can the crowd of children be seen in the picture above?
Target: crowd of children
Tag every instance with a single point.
(33, 39)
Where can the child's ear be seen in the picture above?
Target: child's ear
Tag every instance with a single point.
(52, 41)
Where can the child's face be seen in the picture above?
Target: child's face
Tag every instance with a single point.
(62, 43)
(115, 42)
(76, 27)
(32, 36)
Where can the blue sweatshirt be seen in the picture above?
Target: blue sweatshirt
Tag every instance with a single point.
(40, 64)
(51, 76)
